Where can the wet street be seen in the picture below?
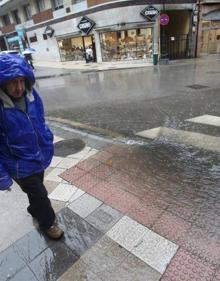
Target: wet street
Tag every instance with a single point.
(139, 205)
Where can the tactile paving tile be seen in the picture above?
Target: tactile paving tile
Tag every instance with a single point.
(185, 266)
(88, 164)
(122, 200)
(182, 210)
(103, 156)
(203, 244)
(72, 174)
(102, 171)
(172, 227)
(87, 182)
(144, 214)
(102, 190)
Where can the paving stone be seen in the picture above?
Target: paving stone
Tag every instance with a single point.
(67, 163)
(144, 214)
(10, 263)
(203, 244)
(24, 274)
(50, 185)
(47, 171)
(217, 276)
(55, 161)
(80, 272)
(127, 233)
(103, 156)
(72, 174)
(105, 255)
(122, 200)
(85, 205)
(63, 192)
(132, 269)
(76, 195)
(53, 262)
(172, 227)
(84, 154)
(104, 217)
(182, 210)
(57, 205)
(185, 266)
(155, 250)
(102, 190)
(88, 164)
(78, 234)
(54, 175)
(30, 245)
(87, 181)
(102, 171)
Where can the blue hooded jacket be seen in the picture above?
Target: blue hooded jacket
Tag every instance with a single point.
(26, 143)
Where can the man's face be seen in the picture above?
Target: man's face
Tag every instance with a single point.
(15, 88)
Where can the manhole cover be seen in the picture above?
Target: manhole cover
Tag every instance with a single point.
(67, 147)
(197, 87)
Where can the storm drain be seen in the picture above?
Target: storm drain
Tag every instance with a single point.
(197, 86)
(67, 147)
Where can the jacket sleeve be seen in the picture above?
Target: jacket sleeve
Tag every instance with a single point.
(5, 179)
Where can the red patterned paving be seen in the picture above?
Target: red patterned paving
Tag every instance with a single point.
(187, 267)
(176, 215)
(172, 227)
(146, 215)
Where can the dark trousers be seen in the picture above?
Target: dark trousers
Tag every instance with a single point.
(40, 206)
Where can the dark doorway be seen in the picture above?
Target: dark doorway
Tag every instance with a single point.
(174, 38)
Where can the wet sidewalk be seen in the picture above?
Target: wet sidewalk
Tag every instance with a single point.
(125, 216)
(88, 67)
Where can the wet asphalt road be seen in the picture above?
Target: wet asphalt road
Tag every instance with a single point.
(132, 100)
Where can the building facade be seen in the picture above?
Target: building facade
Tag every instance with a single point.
(209, 27)
(62, 30)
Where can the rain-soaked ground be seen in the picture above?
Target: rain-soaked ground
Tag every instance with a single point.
(171, 187)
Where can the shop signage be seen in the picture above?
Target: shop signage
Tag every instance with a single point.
(86, 25)
(48, 32)
(150, 13)
(164, 19)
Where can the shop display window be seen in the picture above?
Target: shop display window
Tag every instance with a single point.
(71, 49)
(126, 44)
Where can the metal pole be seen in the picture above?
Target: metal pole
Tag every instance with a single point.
(197, 28)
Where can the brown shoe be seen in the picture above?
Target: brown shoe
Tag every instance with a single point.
(54, 232)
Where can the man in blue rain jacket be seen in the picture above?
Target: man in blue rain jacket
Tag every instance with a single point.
(26, 143)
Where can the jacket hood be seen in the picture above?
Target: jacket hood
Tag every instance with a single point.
(13, 66)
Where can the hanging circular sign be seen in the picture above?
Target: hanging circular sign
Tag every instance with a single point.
(164, 19)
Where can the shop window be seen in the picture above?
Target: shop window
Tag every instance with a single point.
(57, 4)
(6, 20)
(71, 49)
(16, 16)
(40, 5)
(127, 44)
(27, 11)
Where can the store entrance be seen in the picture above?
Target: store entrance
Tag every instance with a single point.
(89, 42)
(74, 48)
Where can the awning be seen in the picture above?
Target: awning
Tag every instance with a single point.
(212, 16)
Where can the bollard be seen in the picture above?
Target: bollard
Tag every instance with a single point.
(155, 59)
